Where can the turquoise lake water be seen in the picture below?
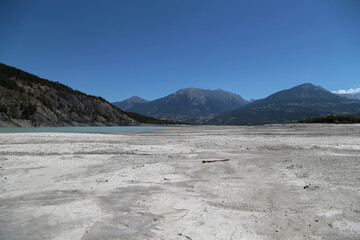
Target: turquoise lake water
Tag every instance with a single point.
(89, 129)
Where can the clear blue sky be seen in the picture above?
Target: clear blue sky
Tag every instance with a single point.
(151, 48)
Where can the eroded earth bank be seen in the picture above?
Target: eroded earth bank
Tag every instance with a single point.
(282, 182)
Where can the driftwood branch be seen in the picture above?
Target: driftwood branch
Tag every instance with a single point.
(215, 160)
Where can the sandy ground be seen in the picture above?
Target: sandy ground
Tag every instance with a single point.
(282, 182)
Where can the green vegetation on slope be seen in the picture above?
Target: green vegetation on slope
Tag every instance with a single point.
(150, 120)
(24, 96)
(333, 119)
(8, 76)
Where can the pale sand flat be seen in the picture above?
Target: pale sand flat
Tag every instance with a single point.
(282, 182)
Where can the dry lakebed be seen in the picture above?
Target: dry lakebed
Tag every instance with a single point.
(290, 181)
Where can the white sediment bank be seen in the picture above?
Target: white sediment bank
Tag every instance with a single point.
(281, 182)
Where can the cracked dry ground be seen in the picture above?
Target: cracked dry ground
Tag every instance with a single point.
(282, 182)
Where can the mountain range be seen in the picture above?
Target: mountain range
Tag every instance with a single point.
(185, 105)
(220, 107)
(28, 100)
(291, 105)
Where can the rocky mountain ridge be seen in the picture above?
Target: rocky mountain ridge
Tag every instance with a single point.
(290, 105)
(28, 100)
(189, 103)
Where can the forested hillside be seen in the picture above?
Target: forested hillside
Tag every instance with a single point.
(28, 100)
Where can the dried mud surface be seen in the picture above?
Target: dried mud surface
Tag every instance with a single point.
(282, 182)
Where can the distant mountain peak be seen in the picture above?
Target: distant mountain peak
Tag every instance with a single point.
(302, 101)
(129, 103)
(193, 92)
(220, 90)
(136, 99)
(200, 91)
(191, 89)
(187, 104)
(306, 85)
(310, 86)
(303, 91)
